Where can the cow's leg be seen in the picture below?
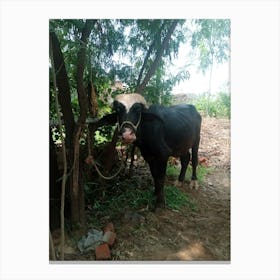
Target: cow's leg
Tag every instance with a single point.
(158, 170)
(184, 165)
(194, 183)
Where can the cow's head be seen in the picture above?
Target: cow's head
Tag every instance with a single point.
(129, 108)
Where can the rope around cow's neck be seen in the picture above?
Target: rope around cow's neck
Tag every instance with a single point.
(135, 127)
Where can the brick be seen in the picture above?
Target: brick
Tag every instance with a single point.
(109, 237)
(109, 227)
(203, 161)
(102, 252)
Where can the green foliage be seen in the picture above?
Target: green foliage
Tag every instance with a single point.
(99, 138)
(131, 196)
(173, 171)
(176, 199)
(214, 106)
(136, 193)
(116, 51)
(211, 41)
(122, 195)
(103, 135)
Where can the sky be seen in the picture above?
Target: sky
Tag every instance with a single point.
(199, 83)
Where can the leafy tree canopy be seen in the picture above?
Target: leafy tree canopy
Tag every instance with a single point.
(123, 50)
(127, 49)
(211, 41)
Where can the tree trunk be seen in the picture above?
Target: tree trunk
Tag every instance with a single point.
(93, 112)
(77, 191)
(140, 88)
(210, 86)
(63, 186)
(51, 248)
(64, 96)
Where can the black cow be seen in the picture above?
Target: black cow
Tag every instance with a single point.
(160, 132)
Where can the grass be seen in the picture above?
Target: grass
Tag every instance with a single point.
(138, 193)
(176, 199)
(136, 198)
(173, 171)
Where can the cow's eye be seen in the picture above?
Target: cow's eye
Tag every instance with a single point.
(137, 108)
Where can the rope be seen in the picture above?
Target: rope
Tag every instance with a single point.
(135, 127)
(90, 160)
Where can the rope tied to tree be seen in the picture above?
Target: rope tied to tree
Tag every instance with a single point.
(90, 160)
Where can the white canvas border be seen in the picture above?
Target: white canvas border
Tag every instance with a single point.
(255, 138)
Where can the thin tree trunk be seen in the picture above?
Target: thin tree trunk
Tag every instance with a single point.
(64, 156)
(158, 57)
(210, 86)
(93, 111)
(75, 201)
(77, 191)
(52, 250)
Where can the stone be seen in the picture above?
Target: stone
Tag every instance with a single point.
(133, 218)
(109, 237)
(90, 241)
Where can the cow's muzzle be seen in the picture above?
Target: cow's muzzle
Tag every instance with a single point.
(128, 130)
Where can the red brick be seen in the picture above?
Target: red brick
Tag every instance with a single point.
(203, 161)
(102, 252)
(109, 237)
(109, 227)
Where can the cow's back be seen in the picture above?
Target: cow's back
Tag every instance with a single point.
(181, 126)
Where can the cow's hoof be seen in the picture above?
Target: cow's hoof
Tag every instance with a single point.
(194, 185)
(179, 184)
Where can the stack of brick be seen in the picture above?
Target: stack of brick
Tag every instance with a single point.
(103, 252)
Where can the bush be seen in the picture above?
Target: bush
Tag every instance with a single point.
(215, 106)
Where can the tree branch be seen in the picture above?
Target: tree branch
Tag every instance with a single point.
(158, 57)
(151, 48)
(81, 61)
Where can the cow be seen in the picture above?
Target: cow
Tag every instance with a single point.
(159, 132)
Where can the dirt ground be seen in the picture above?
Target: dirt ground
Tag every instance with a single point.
(186, 235)
(201, 235)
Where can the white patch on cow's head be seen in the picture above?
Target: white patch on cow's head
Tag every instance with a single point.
(129, 99)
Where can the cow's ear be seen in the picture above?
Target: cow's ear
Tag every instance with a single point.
(109, 119)
(138, 107)
(150, 117)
